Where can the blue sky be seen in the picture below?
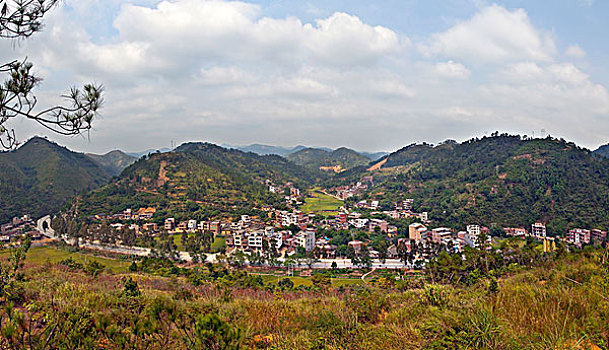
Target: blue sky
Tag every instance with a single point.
(361, 74)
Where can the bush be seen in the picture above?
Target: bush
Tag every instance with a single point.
(131, 289)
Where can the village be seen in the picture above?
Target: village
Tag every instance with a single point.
(351, 233)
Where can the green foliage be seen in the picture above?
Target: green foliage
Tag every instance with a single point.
(94, 268)
(11, 275)
(130, 288)
(321, 280)
(211, 332)
(285, 283)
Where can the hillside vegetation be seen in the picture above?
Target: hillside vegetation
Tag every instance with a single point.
(504, 180)
(40, 176)
(197, 179)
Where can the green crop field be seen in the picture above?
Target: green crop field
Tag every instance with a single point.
(320, 203)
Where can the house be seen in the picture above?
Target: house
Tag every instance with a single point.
(538, 230)
(146, 213)
(359, 223)
(381, 224)
(192, 225)
(254, 240)
(237, 239)
(215, 227)
(598, 236)
(516, 231)
(473, 230)
(415, 230)
(579, 236)
(169, 224)
(438, 234)
(150, 226)
(182, 226)
(306, 239)
(356, 245)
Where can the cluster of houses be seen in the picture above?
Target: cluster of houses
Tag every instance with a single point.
(455, 241)
(128, 214)
(576, 236)
(17, 227)
(344, 192)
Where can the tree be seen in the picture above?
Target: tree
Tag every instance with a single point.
(20, 19)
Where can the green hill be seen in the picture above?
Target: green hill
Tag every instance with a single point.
(198, 180)
(114, 162)
(40, 176)
(504, 180)
(316, 158)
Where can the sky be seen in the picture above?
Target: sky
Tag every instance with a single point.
(373, 76)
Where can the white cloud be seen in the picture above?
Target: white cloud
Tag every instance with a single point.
(493, 35)
(575, 51)
(226, 72)
(452, 70)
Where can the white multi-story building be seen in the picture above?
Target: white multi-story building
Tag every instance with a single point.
(192, 224)
(359, 223)
(289, 218)
(237, 239)
(306, 239)
(438, 234)
(538, 230)
(254, 240)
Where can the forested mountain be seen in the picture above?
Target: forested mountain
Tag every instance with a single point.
(114, 161)
(316, 158)
(603, 151)
(198, 180)
(40, 176)
(503, 179)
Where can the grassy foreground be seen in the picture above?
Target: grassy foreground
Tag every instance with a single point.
(563, 305)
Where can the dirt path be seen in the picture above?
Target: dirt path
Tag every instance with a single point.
(378, 165)
(366, 275)
(162, 174)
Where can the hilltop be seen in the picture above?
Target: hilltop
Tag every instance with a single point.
(40, 176)
(114, 161)
(199, 179)
(503, 179)
(341, 159)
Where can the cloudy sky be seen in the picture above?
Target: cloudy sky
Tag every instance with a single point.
(367, 75)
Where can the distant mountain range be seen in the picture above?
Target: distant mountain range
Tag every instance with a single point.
(148, 151)
(286, 151)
